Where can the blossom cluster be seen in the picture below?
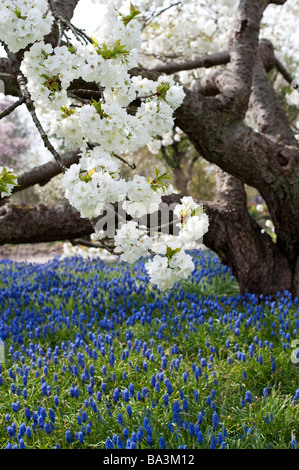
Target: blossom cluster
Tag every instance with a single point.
(194, 223)
(170, 265)
(23, 22)
(93, 182)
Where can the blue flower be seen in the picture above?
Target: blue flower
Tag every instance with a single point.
(293, 443)
(191, 429)
(185, 405)
(129, 411)
(115, 395)
(162, 443)
(68, 437)
(215, 420)
(21, 444)
(170, 427)
(213, 442)
(131, 389)
(51, 415)
(139, 434)
(153, 381)
(125, 395)
(109, 444)
(84, 416)
(120, 443)
(48, 428)
(199, 436)
(248, 396)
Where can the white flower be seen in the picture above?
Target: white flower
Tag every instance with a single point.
(23, 22)
(194, 228)
(142, 198)
(172, 266)
(188, 205)
(259, 207)
(131, 242)
(159, 272)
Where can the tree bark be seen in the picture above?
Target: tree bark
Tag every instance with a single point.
(257, 263)
(34, 223)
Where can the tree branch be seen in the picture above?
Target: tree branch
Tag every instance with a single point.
(12, 107)
(206, 61)
(284, 72)
(43, 174)
(32, 223)
(268, 113)
(22, 83)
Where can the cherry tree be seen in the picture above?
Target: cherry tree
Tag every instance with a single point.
(110, 94)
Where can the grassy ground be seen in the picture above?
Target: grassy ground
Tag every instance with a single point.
(98, 358)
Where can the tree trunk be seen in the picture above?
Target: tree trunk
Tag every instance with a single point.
(257, 263)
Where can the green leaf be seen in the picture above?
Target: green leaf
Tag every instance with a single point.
(66, 112)
(162, 89)
(71, 49)
(85, 176)
(98, 106)
(118, 51)
(18, 14)
(158, 181)
(52, 83)
(7, 178)
(170, 252)
(133, 13)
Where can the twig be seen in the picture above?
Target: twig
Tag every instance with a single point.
(284, 72)
(132, 166)
(89, 244)
(82, 91)
(12, 107)
(154, 16)
(92, 145)
(78, 33)
(22, 83)
(74, 96)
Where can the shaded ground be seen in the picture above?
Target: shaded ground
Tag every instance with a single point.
(31, 253)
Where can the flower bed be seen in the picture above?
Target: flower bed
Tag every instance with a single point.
(95, 357)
